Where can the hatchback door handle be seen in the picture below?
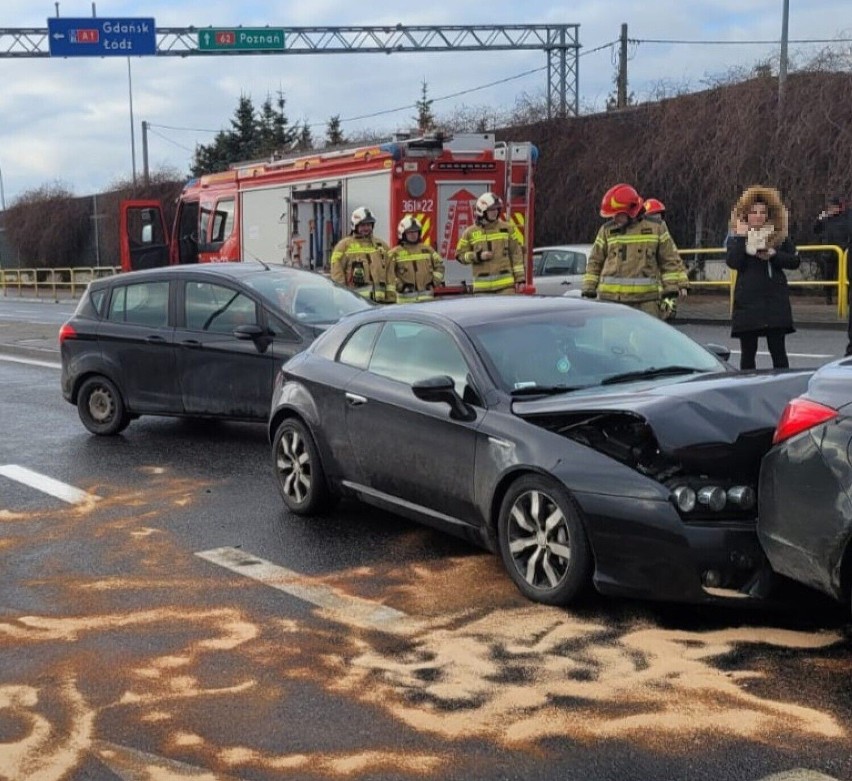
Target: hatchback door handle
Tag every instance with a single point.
(354, 400)
(193, 344)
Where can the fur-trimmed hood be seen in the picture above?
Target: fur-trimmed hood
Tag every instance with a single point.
(776, 212)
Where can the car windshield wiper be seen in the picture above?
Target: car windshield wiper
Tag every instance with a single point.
(647, 374)
(545, 390)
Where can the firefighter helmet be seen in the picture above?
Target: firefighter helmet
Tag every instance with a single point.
(654, 206)
(485, 203)
(406, 224)
(362, 216)
(621, 198)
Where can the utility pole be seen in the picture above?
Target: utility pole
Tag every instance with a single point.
(132, 136)
(146, 179)
(621, 96)
(782, 67)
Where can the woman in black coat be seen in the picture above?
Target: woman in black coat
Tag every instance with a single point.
(759, 250)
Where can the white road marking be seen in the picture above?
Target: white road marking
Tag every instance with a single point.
(130, 764)
(351, 610)
(47, 485)
(799, 774)
(795, 355)
(30, 361)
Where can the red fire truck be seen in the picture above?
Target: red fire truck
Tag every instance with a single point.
(293, 211)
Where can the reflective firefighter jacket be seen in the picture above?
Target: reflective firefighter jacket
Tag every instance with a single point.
(361, 264)
(413, 270)
(506, 267)
(635, 263)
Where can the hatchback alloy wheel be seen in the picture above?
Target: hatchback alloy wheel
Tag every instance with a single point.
(542, 541)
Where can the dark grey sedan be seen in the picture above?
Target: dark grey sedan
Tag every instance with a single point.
(805, 497)
(586, 442)
(198, 340)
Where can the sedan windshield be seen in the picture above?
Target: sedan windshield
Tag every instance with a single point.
(306, 297)
(568, 350)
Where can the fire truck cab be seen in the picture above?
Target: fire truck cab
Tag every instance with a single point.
(294, 210)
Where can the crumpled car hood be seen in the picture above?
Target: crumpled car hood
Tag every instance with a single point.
(702, 420)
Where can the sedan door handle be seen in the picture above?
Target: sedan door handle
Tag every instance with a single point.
(193, 344)
(354, 400)
(565, 282)
(155, 339)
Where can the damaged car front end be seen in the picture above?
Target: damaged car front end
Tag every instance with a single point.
(688, 532)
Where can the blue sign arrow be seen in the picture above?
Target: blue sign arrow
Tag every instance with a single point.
(97, 36)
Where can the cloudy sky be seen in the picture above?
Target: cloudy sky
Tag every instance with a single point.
(67, 120)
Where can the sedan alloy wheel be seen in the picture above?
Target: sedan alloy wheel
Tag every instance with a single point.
(542, 541)
(298, 470)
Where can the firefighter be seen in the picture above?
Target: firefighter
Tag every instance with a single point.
(655, 210)
(415, 269)
(634, 260)
(359, 260)
(493, 249)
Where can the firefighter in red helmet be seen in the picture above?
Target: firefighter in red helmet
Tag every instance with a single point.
(655, 209)
(634, 260)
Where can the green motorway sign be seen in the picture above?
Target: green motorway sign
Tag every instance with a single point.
(241, 39)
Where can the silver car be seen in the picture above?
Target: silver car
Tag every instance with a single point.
(559, 269)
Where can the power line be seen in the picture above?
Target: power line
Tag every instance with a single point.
(166, 138)
(738, 43)
(384, 112)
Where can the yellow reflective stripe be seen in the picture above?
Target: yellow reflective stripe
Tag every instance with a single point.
(591, 278)
(437, 276)
(493, 282)
(481, 235)
(406, 298)
(605, 287)
(410, 258)
(599, 241)
(673, 276)
(634, 239)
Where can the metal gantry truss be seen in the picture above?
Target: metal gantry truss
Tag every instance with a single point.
(558, 41)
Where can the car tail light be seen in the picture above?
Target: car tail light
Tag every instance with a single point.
(800, 415)
(67, 332)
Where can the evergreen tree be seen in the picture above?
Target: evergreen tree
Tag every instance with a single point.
(253, 135)
(425, 118)
(305, 138)
(333, 132)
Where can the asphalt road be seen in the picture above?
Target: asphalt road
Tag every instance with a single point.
(162, 616)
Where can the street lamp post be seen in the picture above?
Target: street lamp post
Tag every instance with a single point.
(2, 192)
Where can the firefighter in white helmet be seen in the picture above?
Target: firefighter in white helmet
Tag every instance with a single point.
(415, 269)
(359, 260)
(493, 248)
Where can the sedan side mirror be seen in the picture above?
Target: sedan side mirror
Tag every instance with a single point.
(442, 388)
(720, 351)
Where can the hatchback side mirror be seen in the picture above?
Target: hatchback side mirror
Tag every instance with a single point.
(442, 388)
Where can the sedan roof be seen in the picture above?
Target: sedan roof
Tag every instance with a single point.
(476, 310)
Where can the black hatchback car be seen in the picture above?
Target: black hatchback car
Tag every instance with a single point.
(586, 442)
(200, 341)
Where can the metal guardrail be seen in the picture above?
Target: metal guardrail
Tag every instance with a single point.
(52, 282)
(71, 282)
(839, 285)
